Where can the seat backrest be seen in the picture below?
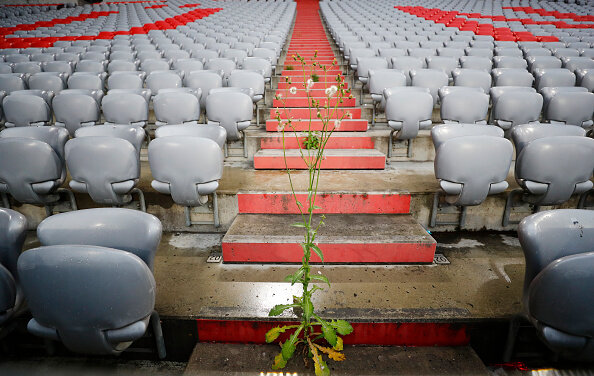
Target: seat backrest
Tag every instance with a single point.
(409, 107)
(126, 80)
(131, 133)
(86, 81)
(227, 109)
(97, 164)
(380, 79)
(245, 78)
(444, 63)
(25, 163)
(125, 229)
(29, 67)
(151, 65)
(517, 107)
(121, 65)
(12, 81)
(474, 162)
(522, 135)
(433, 79)
(464, 106)
(204, 80)
(258, 63)
(88, 295)
(224, 64)
(575, 108)
(443, 132)
(13, 227)
(58, 66)
(214, 132)
(550, 235)
(90, 66)
(553, 77)
(512, 77)
(188, 65)
(510, 62)
(543, 62)
(24, 110)
(472, 78)
(168, 158)
(74, 110)
(176, 107)
(364, 64)
(124, 108)
(49, 81)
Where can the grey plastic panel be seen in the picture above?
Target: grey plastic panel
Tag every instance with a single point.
(214, 132)
(228, 109)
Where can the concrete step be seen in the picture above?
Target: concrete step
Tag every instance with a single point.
(235, 359)
(329, 202)
(303, 125)
(334, 159)
(344, 239)
(339, 140)
(317, 85)
(298, 71)
(306, 113)
(300, 102)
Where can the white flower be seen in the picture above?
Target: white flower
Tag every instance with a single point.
(293, 90)
(281, 126)
(331, 90)
(278, 96)
(348, 115)
(336, 124)
(310, 84)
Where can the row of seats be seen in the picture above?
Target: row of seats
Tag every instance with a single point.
(104, 162)
(70, 285)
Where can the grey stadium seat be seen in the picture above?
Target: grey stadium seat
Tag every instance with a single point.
(248, 79)
(407, 111)
(189, 184)
(213, 132)
(558, 247)
(515, 107)
(464, 106)
(93, 308)
(176, 108)
(510, 62)
(406, 64)
(12, 81)
(157, 80)
(512, 77)
(472, 78)
(203, 80)
(131, 133)
(49, 81)
(571, 107)
(432, 79)
(75, 110)
(126, 80)
(13, 227)
(125, 108)
(381, 79)
(553, 77)
(107, 168)
(231, 110)
(25, 110)
(476, 62)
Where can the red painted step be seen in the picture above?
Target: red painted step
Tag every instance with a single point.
(338, 140)
(283, 85)
(306, 113)
(304, 102)
(344, 238)
(334, 159)
(330, 203)
(301, 125)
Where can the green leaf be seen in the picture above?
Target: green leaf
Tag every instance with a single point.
(288, 347)
(342, 327)
(308, 309)
(273, 333)
(320, 278)
(318, 251)
(316, 207)
(299, 203)
(297, 224)
(297, 276)
(329, 333)
(339, 345)
(321, 368)
(279, 308)
(289, 278)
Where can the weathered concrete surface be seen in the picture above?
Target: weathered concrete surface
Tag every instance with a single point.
(230, 359)
(483, 281)
(94, 366)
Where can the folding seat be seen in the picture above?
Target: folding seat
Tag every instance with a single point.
(406, 64)
(434, 45)
(176, 108)
(123, 56)
(553, 77)
(549, 92)
(5, 68)
(405, 45)
(176, 54)
(587, 52)
(205, 55)
(512, 77)
(466, 105)
(482, 44)
(515, 105)
(164, 79)
(271, 46)
(28, 67)
(231, 110)
(585, 78)
(557, 245)
(265, 53)
(75, 110)
(472, 78)
(551, 169)
(365, 64)
(67, 57)
(407, 111)
(205, 81)
(125, 108)
(355, 53)
(571, 107)
(444, 63)
(13, 227)
(75, 50)
(103, 309)
(484, 52)
(53, 50)
(578, 45)
(57, 66)
(510, 52)
(34, 168)
(432, 79)
(388, 53)
(456, 44)
(121, 65)
(151, 65)
(471, 163)
(381, 79)
(421, 52)
(510, 62)
(48, 81)
(151, 54)
(259, 64)
(566, 52)
(41, 57)
(226, 65)
(476, 62)
(237, 55)
(26, 110)
(213, 132)
(135, 135)
(17, 58)
(126, 80)
(248, 79)
(537, 52)
(90, 66)
(574, 63)
(107, 168)
(543, 62)
(245, 46)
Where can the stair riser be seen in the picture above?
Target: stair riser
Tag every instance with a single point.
(343, 253)
(305, 113)
(365, 333)
(317, 125)
(283, 85)
(297, 72)
(330, 163)
(335, 142)
(333, 203)
(304, 102)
